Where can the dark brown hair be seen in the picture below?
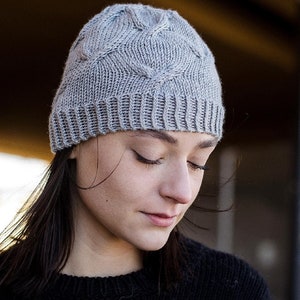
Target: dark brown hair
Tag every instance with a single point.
(37, 245)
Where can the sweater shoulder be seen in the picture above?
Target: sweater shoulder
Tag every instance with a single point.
(199, 254)
(223, 273)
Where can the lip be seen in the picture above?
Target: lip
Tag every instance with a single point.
(160, 220)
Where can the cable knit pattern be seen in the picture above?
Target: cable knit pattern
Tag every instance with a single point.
(135, 67)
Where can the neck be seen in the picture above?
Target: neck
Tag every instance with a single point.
(102, 261)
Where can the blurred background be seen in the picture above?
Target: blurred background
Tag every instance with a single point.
(255, 167)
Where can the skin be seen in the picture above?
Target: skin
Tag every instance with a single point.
(134, 189)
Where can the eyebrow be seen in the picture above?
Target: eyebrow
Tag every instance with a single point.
(209, 142)
(161, 135)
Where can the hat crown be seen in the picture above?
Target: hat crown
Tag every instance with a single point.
(130, 68)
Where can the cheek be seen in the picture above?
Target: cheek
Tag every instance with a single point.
(86, 170)
(92, 170)
(98, 205)
(114, 188)
(128, 186)
(195, 186)
(85, 176)
(196, 183)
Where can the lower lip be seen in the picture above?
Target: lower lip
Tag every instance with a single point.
(161, 221)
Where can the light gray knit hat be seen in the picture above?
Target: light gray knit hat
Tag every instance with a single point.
(135, 67)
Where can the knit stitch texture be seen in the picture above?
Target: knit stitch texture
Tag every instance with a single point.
(135, 67)
(207, 275)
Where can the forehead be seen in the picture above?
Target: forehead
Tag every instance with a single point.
(116, 143)
(204, 140)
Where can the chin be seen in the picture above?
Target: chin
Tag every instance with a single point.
(152, 243)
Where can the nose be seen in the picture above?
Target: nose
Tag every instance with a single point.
(176, 184)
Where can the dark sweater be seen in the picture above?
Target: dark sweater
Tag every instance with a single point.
(208, 274)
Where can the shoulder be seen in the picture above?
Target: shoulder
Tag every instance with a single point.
(222, 273)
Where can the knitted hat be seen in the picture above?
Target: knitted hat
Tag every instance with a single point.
(135, 67)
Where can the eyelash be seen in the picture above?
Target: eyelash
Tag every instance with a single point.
(146, 161)
(197, 167)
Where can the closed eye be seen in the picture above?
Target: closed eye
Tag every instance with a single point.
(196, 167)
(145, 160)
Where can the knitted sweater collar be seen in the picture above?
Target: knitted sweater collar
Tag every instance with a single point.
(138, 283)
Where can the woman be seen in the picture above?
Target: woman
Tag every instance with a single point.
(134, 120)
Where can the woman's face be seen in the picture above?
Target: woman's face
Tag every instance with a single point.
(148, 180)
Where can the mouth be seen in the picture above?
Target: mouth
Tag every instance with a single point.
(161, 220)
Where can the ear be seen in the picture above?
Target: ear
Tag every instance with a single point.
(73, 154)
